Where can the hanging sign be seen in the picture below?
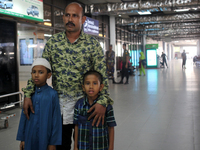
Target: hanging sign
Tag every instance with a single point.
(91, 26)
(27, 9)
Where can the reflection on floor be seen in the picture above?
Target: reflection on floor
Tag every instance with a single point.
(159, 111)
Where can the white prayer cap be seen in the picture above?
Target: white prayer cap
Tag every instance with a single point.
(42, 62)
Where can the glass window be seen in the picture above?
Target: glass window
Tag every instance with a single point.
(100, 30)
(31, 41)
(47, 15)
(61, 3)
(58, 14)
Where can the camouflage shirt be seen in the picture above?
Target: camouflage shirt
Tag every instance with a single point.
(69, 61)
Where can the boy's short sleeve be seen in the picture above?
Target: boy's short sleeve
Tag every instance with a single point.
(110, 119)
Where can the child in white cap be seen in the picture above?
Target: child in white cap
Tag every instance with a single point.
(43, 130)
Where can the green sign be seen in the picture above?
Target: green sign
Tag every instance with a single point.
(151, 46)
(27, 9)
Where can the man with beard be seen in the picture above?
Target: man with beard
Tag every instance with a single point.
(72, 53)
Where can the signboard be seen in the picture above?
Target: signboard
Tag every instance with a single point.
(151, 46)
(27, 9)
(151, 58)
(91, 26)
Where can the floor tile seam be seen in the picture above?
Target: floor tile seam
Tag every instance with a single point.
(193, 125)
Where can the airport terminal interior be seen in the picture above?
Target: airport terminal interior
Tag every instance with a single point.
(158, 111)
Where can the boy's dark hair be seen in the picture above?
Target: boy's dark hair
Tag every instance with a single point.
(124, 44)
(48, 70)
(93, 72)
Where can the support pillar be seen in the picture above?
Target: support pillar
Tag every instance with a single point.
(113, 40)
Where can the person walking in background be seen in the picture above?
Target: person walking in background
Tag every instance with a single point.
(125, 61)
(43, 130)
(110, 63)
(164, 59)
(72, 53)
(141, 64)
(86, 135)
(184, 57)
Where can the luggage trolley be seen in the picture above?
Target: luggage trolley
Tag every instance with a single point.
(4, 119)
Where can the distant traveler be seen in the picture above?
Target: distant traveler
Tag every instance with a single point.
(125, 62)
(110, 63)
(164, 59)
(141, 63)
(184, 57)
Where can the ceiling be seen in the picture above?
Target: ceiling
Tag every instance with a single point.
(163, 24)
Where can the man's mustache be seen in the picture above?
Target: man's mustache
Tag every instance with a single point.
(70, 23)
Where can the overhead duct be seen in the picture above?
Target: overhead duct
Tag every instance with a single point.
(130, 7)
(158, 27)
(158, 19)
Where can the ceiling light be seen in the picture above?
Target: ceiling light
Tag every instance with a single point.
(144, 13)
(178, 10)
(48, 35)
(47, 24)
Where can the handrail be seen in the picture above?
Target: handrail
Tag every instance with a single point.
(11, 94)
(12, 104)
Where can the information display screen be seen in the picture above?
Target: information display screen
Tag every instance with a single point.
(8, 61)
(26, 51)
(151, 58)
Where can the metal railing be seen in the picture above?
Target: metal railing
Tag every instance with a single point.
(12, 104)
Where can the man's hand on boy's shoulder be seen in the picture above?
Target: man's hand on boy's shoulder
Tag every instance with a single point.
(27, 104)
(99, 113)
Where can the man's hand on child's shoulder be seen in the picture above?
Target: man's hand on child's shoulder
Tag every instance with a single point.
(99, 113)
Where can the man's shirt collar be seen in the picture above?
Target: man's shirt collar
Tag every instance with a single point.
(82, 36)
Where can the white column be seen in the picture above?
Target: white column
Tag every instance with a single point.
(198, 47)
(143, 44)
(113, 40)
(170, 51)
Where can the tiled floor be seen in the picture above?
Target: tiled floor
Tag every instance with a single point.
(159, 111)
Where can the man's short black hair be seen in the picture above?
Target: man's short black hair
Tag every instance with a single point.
(93, 72)
(124, 44)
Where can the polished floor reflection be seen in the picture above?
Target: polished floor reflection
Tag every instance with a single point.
(159, 111)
